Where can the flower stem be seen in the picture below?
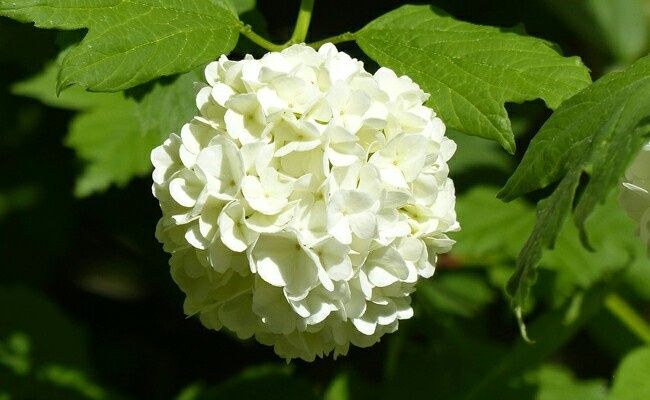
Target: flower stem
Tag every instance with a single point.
(628, 316)
(247, 31)
(302, 23)
(299, 33)
(343, 37)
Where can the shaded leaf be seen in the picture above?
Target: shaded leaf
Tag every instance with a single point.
(595, 133)
(70, 348)
(43, 88)
(114, 134)
(455, 293)
(619, 27)
(109, 140)
(243, 6)
(168, 105)
(476, 154)
(550, 331)
(263, 381)
(447, 366)
(338, 389)
(578, 268)
(558, 383)
(43, 352)
(492, 232)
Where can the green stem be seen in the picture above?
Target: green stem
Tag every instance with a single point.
(247, 31)
(343, 37)
(302, 23)
(299, 32)
(628, 316)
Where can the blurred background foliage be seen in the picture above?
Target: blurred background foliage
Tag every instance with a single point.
(88, 309)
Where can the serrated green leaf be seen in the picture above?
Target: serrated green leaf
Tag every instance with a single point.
(631, 380)
(471, 70)
(132, 41)
(558, 383)
(595, 133)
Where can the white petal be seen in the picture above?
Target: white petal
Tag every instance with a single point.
(185, 189)
(364, 224)
(234, 232)
(221, 93)
(367, 327)
(385, 266)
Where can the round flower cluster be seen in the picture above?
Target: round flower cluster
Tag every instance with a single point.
(635, 196)
(305, 200)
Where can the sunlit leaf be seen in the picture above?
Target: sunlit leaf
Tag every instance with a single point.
(134, 41)
(471, 70)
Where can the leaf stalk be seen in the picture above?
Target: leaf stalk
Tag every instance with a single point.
(302, 23)
(299, 33)
(628, 316)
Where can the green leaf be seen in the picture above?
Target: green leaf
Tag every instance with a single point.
(455, 293)
(167, 106)
(579, 268)
(113, 134)
(24, 313)
(43, 88)
(477, 154)
(43, 353)
(619, 27)
(492, 232)
(132, 41)
(444, 363)
(263, 381)
(637, 278)
(243, 6)
(595, 133)
(631, 378)
(550, 331)
(110, 141)
(18, 198)
(471, 70)
(558, 383)
(339, 388)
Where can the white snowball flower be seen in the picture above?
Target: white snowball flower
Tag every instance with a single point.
(635, 194)
(305, 199)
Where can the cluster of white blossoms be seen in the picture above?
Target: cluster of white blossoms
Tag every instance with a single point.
(305, 200)
(635, 194)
